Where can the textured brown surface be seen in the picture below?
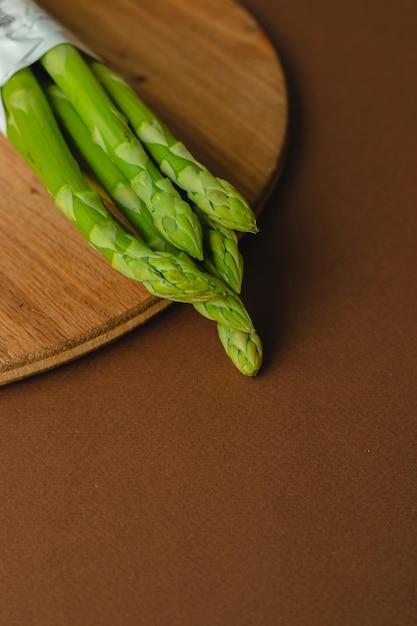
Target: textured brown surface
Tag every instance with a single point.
(149, 484)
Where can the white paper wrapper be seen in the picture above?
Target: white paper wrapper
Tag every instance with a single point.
(26, 33)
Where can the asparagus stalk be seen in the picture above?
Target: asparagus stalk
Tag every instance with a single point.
(221, 251)
(221, 254)
(31, 124)
(243, 348)
(173, 217)
(215, 196)
(229, 309)
(107, 173)
(167, 273)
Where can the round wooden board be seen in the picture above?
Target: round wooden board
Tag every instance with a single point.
(210, 73)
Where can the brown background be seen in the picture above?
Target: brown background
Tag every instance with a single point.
(149, 484)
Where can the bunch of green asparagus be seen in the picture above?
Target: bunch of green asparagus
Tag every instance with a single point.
(94, 144)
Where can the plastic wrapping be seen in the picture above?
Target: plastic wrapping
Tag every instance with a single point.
(26, 33)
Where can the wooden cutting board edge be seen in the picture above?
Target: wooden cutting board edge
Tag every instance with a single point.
(116, 327)
(113, 329)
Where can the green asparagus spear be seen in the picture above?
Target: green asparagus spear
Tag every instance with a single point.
(243, 348)
(173, 217)
(215, 196)
(107, 173)
(221, 254)
(32, 125)
(33, 130)
(221, 251)
(229, 309)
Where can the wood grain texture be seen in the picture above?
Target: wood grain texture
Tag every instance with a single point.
(211, 74)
